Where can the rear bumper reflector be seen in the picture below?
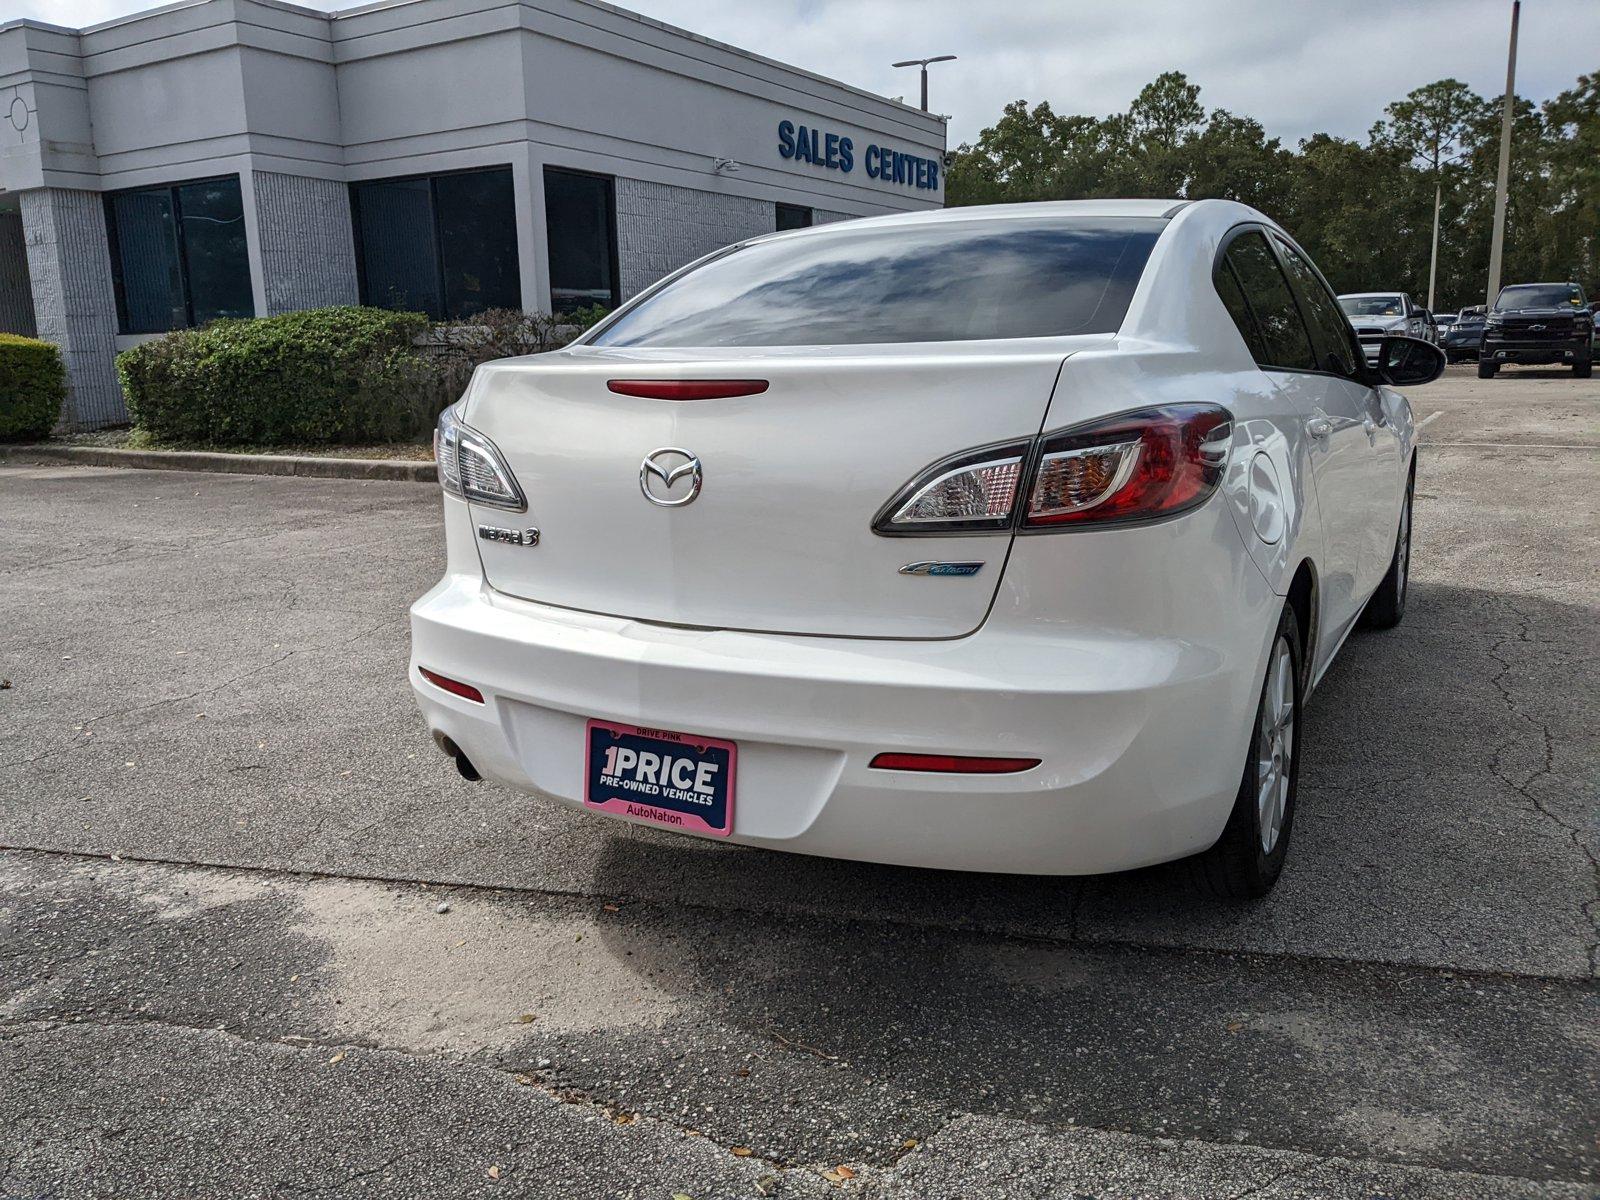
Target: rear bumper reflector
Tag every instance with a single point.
(952, 764)
(454, 686)
(687, 389)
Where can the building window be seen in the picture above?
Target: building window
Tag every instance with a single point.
(581, 218)
(178, 255)
(445, 245)
(793, 216)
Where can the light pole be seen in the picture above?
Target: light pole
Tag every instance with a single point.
(1502, 180)
(923, 63)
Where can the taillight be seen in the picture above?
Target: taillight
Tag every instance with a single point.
(1151, 463)
(471, 466)
(1135, 466)
(971, 492)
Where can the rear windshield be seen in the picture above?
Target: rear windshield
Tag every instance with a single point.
(1540, 295)
(1013, 277)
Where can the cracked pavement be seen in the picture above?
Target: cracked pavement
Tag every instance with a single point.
(224, 836)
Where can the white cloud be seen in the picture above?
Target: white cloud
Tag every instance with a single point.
(1298, 66)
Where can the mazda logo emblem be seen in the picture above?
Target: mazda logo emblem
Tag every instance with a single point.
(662, 471)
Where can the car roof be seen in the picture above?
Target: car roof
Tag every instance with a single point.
(1359, 295)
(996, 212)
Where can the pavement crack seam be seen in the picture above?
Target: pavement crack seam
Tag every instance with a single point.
(1321, 962)
(1591, 907)
(1293, 1169)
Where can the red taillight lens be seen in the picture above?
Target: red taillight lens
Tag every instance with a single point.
(454, 686)
(687, 389)
(1150, 463)
(952, 764)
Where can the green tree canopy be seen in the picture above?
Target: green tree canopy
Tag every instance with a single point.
(1363, 208)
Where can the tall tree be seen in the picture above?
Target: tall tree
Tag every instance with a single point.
(1363, 209)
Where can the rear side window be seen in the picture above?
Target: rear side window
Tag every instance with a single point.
(951, 280)
(1330, 332)
(1284, 340)
(1239, 309)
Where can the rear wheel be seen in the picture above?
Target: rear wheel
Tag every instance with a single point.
(1486, 370)
(1248, 857)
(1388, 603)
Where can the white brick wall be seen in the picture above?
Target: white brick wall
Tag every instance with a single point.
(661, 227)
(74, 306)
(307, 252)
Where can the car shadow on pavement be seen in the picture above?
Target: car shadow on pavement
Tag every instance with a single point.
(1441, 795)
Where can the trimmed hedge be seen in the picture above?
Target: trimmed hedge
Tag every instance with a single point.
(33, 383)
(318, 377)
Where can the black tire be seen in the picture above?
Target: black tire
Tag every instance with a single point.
(1243, 865)
(1388, 603)
(1584, 369)
(1486, 370)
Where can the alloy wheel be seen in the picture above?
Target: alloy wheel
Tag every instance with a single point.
(1403, 553)
(1275, 747)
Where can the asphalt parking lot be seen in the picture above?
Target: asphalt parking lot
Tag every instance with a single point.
(226, 840)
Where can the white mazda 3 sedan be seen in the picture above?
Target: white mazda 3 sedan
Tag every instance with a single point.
(1001, 539)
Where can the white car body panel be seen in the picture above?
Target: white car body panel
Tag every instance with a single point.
(1128, 658)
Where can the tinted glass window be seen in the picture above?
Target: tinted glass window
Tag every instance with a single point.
(399, 264)
(476, 217)
(1239, 309)
(1330, 332)
(214, 250)
(445, 245)
(1540, 295)
(1373, 306)
(793, 216)
(581, 216)
(178, 255)
(148, 274)
(1285, 341)
(938, 281)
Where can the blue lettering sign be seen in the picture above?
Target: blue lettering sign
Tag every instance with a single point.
(833, 152)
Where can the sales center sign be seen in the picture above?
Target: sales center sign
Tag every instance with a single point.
(833, 152)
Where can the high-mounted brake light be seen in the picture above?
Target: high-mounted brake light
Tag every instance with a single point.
(1135, 466)
(454, 686)
(687, 389)
(952, 764)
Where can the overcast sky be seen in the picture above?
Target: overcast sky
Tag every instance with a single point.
(1298, 66)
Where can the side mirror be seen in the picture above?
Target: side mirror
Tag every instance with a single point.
(1409, 362)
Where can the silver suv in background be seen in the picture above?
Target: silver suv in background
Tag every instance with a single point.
(1377, 315)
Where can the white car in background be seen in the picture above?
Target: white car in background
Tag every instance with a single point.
(1003, 539)
(1377, 315)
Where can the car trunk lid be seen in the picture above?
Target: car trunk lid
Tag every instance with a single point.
(779, 536)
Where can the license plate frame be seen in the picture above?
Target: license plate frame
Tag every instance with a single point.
(635, 791)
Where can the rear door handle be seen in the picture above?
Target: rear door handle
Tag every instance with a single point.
(1319, 427)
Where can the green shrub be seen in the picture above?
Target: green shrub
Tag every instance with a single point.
(322, 376)
(33, 384)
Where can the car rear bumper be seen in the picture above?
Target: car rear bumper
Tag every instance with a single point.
(1142, 738)
(1535, 352)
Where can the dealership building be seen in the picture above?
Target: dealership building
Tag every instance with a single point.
(236, 158)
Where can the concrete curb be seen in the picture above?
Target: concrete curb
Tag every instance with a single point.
(228, 464)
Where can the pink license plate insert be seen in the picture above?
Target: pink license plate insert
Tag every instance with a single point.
(681, 781)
